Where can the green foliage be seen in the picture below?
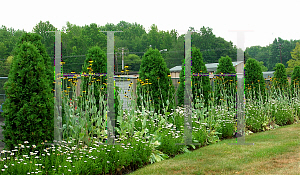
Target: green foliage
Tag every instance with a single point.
(28, 109)
(201, 84)
(43, 28)
(5, 66)
(263, 68)
(212, 47)
(35, 39)
(280, 80)
(224, 85)
(295, 61)
(133, 61)
(180, 90)
(161, 90)
(96, 62)
(295, 81)
(254, 80)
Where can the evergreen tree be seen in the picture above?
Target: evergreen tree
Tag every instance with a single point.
(254, 79)
(28, 109)
(96, 62)
(155, 80)
(180, 90)
(201, 84)
(295, 81)
(225, 85)
(36, 40)
(280, 81)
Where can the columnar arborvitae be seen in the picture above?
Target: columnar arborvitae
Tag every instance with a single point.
(254, 80)
(28, 109)
(295, 81)
(155, 80)
(201, 85)
(180, 90)
(95, 62)
(280, 81)
(225, 86)
(36, 40)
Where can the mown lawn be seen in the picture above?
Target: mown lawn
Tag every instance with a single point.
(274, 152)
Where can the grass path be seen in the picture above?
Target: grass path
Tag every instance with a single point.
(274, 152)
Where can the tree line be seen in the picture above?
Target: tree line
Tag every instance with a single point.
(136, 40)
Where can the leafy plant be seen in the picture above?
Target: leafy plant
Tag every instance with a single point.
(155, 80)
(28, 109)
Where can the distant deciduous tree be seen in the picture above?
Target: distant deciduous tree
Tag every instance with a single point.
(295, 61)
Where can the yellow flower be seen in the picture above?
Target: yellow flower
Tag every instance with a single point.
(125, 67)
(169, 75)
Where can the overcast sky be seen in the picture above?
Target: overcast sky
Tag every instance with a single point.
(268, 19)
